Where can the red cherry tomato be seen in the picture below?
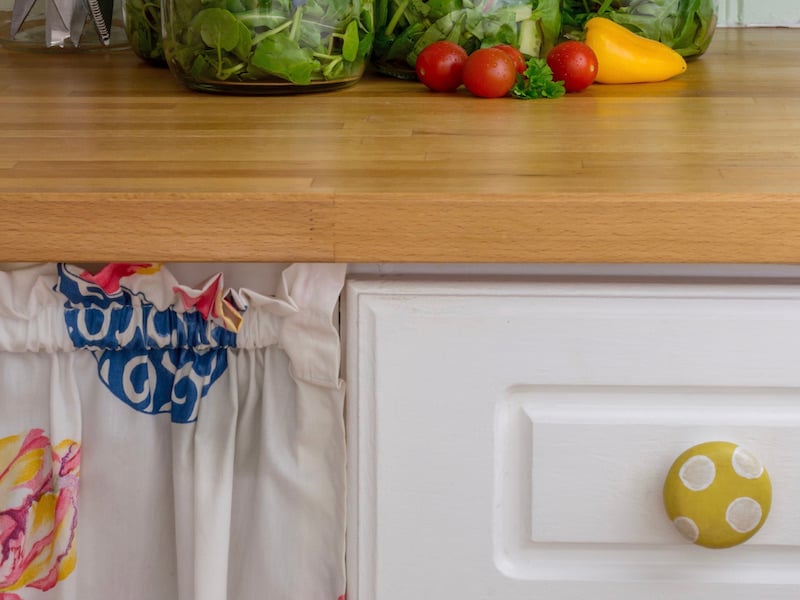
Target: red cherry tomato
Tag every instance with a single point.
(440, 64)
(489, 73)
(519, 60)
(574, 63)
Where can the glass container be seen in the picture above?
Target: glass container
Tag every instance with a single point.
(404, 27)
(62, 25)
(142, 20)
(686, 26)
(267, 46)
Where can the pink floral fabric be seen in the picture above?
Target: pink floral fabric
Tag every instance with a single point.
(38, 511)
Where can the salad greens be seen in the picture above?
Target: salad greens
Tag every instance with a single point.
(143, 29)
(405, 27)
(686, 26)
(295, 41)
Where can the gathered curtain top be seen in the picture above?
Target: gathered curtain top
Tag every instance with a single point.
(57, 307)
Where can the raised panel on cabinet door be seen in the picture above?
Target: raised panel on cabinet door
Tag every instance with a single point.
(508, 440)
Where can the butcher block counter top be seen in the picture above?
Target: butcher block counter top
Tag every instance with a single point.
(103, 158)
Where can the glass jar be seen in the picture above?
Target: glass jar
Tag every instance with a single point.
(685, 26)
(62, 25)
(404, 27)
(142, 20)
(267, 46)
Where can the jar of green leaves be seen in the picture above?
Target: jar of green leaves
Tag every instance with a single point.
(686, 26)
(267, 46)
(404, 27)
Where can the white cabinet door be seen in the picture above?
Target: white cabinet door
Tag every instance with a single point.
(509, 440)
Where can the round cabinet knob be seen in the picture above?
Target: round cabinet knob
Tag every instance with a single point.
(717, 494)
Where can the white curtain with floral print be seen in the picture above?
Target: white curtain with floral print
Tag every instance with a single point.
(170, 442)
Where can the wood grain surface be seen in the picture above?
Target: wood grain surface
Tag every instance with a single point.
(104, 158)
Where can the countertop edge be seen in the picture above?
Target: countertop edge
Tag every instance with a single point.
(399, 227)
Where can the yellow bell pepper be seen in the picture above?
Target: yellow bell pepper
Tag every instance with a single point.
(624, 57)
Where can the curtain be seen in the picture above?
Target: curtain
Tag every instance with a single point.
(167, 442)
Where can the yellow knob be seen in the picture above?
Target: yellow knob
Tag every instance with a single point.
(717, 494)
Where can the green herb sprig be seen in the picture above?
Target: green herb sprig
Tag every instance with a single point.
(537, 82)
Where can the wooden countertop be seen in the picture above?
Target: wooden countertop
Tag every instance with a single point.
(103, 158)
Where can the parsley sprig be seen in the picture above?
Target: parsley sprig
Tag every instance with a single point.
(537, 82)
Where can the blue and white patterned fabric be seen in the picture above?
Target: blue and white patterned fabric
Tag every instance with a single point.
(155, 360)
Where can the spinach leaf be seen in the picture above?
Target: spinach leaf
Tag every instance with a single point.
(350, 42)
(218, 28)
(283, 57)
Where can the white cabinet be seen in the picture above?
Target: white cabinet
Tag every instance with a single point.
(509, 438)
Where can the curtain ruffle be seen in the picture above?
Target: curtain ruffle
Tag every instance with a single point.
(147, 330)
(60, 307)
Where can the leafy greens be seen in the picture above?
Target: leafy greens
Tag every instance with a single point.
(686, 26)
(143, 29)
(537, 82)
(405, 27)
(296, 41)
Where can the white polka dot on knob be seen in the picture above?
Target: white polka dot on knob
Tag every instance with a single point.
(743, 514)
(687, 528)
(745, 464)
(697, 473)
